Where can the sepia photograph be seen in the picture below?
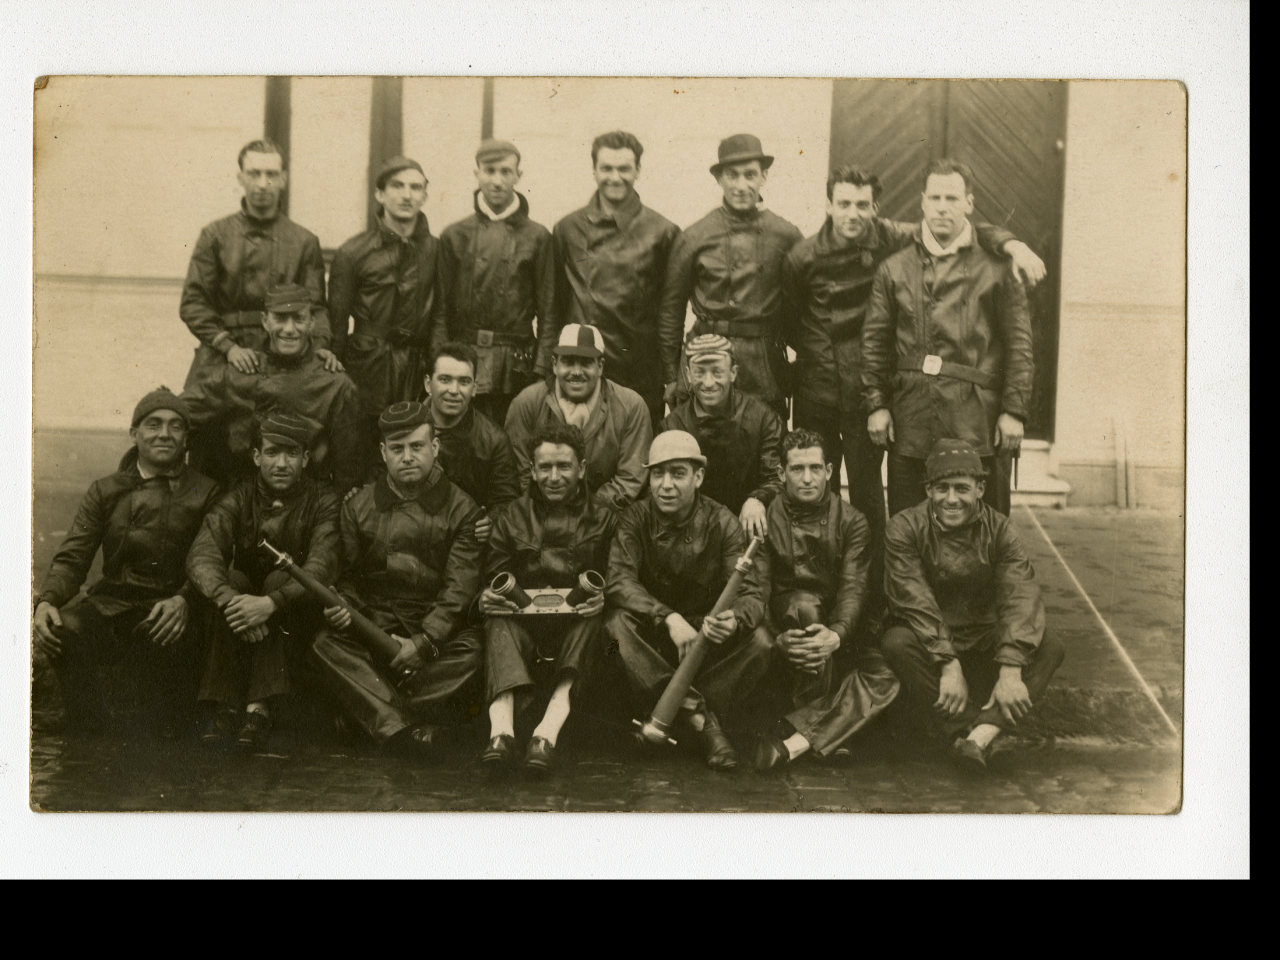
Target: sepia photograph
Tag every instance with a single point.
(608, 444)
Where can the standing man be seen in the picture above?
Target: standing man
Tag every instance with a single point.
(143, 517)
(614, 421)
(236, 261)
(828, 280)
(385, 280)
(672, 555)
(549, 537)
(813, 575)
(288, 376)
(411, 564)
(968, 637)
(946, 346)
(728, 265)
(740, 435)
(265, 618)
(611, 264)
(497, 272)
(475, 452)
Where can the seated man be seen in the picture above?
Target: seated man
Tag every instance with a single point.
(264, 614)
(813, 573)
(474, 451)
(289, 376)
(144, 518)
(548, 537)
(968, 639)
(739, 434)
(672, 555)
(411, 564)
(614, 420)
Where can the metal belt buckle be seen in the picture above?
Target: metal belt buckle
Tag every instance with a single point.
(484, 338)
(932, 365)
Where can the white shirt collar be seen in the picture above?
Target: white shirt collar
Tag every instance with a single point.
(963, 239)
(511, 208)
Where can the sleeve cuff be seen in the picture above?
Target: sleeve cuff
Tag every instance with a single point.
(279, 599)
(222, 342)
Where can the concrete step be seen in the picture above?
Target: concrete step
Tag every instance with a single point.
(1037, 486)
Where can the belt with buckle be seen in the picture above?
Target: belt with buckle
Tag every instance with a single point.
(242, 318)
(934, 366)
(730, 328)
(492, 338)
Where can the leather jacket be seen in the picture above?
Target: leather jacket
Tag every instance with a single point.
(477, 456)
(549, 544)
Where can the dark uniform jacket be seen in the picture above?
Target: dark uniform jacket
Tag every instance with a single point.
(411, 565)
(742, 444)
(477, 456)
(389, 285)
(230, 400)
(617, 434)
(971, 311)
(729, 267)
(549, 544)
(144, 527)
(302, 521)
(610, 271)
(657, 568)
(821, 548)
(829, 286)
(971, 588)
(236, 261)
(496, 276)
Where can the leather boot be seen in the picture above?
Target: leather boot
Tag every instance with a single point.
(720, 752)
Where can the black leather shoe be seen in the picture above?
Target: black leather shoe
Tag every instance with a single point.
(221, 728)
(969, 756)
(253, 735)
(538, 757)
(771, 753)
(426, 740)
(720, 752)
(499, 756)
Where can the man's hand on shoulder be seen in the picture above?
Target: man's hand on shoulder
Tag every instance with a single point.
(1025, 263)
(753, 518)
(243, 359)
(331, 362)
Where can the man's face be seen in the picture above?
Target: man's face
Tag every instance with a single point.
(497, 180)
(557, 471)
(851, 209)
(806, 474)
(403, 195)
(615, 173)
(450, 387)
(280, 464)
(674, 484)
(711, 380)
(263, 178)
(161, 439)
(410, 456)
(290, 333)
(742, 183)
(946, 203)
(955, 500)
(578, 376)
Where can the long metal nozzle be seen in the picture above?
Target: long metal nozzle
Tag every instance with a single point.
(652, 732)
(279, 557)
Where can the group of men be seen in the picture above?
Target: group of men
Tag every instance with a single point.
(508, 409)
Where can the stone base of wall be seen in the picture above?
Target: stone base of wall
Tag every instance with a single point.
(1094, 484)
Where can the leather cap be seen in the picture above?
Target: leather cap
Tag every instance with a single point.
(393, 166)
(493, 149)
(740, 148)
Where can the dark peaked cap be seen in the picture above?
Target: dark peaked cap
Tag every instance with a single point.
(288, 298)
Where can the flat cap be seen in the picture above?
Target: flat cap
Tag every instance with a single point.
(162, 398)
(740, 148)
(288, 298)
(394, 166)
(675, 445)
(708, 346)
(403, 417)
(953, 458)
(286, 428)
(493, 149)
(579, 340)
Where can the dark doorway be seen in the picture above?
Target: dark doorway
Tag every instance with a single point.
(1012, 133)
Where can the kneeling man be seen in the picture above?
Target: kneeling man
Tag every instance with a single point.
(969, 642)
(410, 563)
(548, 537)
(672, 555)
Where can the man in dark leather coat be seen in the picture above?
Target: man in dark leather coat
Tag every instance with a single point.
(144, 518)
(611, 265)
(548, 538)
(946, 346)
(497, 273)
(385, 281)
(968, 634)
(673, 553)
(813, 575)
(739, 434)
(265, 619)
(410, 562)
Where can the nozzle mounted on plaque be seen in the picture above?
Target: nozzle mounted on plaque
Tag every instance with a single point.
(548, 599)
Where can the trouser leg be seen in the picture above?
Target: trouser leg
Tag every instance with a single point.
(448, 686)
(508, 654)
(648, 659)
(997, 493)
(1035, 675)
(834, 705)
(359, 686)
(906, 482)
(86, 638)
(656, 405)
